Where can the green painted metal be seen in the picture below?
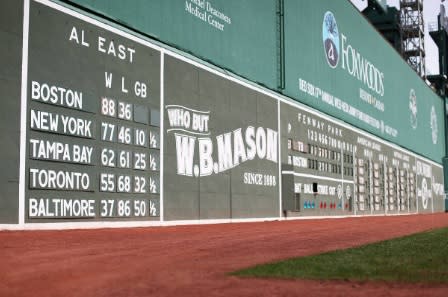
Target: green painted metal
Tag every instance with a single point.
(369, 85)
(446, 204)
(11, 20)
(382, 4)
(236, 35)
(445, 173)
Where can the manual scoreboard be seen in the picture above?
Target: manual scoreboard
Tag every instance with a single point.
(93, 121)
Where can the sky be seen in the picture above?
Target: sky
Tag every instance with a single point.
(431, 9)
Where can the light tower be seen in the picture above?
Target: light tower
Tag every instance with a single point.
(412, 34)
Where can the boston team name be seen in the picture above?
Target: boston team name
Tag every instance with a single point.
(56, 95)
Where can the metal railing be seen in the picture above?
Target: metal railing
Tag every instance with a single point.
(411, 2)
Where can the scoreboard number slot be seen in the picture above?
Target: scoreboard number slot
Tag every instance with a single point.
(126, 208)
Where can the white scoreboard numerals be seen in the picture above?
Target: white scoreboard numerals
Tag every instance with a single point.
(107, 132)
(152, 209)
(125, 111)
(107, 208)
(108, 157)
(153, 140)
(108, 107)
(140, 137)
(124, 135)
(124, 208)
(124, 159)
(107, 182)
(133, 159)
(152, 162)
(140, 161)
(153, 185)
(124, 184)
(139, 184)
(140, 208)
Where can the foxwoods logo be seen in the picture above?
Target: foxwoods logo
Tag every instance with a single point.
(200, 154)
(337, 47)
(330, 34)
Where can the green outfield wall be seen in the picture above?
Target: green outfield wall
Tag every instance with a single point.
(236, 35)
(338, 63)
(281, 44)
(103, 126)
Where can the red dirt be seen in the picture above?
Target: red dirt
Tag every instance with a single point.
(195, 260)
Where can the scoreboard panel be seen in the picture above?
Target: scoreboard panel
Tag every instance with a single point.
(330, 168)
(93, 120)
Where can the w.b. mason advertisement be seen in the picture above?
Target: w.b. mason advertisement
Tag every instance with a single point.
(220, 147)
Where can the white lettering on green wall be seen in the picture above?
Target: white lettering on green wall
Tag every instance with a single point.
(208, 13)
(361, 68)
(104, 45)
(220, 153)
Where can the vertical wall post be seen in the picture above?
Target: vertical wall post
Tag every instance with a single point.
(280, 44)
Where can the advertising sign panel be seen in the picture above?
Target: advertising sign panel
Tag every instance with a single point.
(337, 62)
(222, 32)
(221, 147)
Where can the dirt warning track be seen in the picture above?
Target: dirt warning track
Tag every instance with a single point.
(194, 260)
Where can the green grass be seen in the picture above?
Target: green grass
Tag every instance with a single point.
(422, 257)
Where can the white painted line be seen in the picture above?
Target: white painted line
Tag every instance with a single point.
(416, 188)
(135, 224)
(23, 111)
(432, 196)
(162, 117)
(288, 172)
(279, 184)
(129, 224)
